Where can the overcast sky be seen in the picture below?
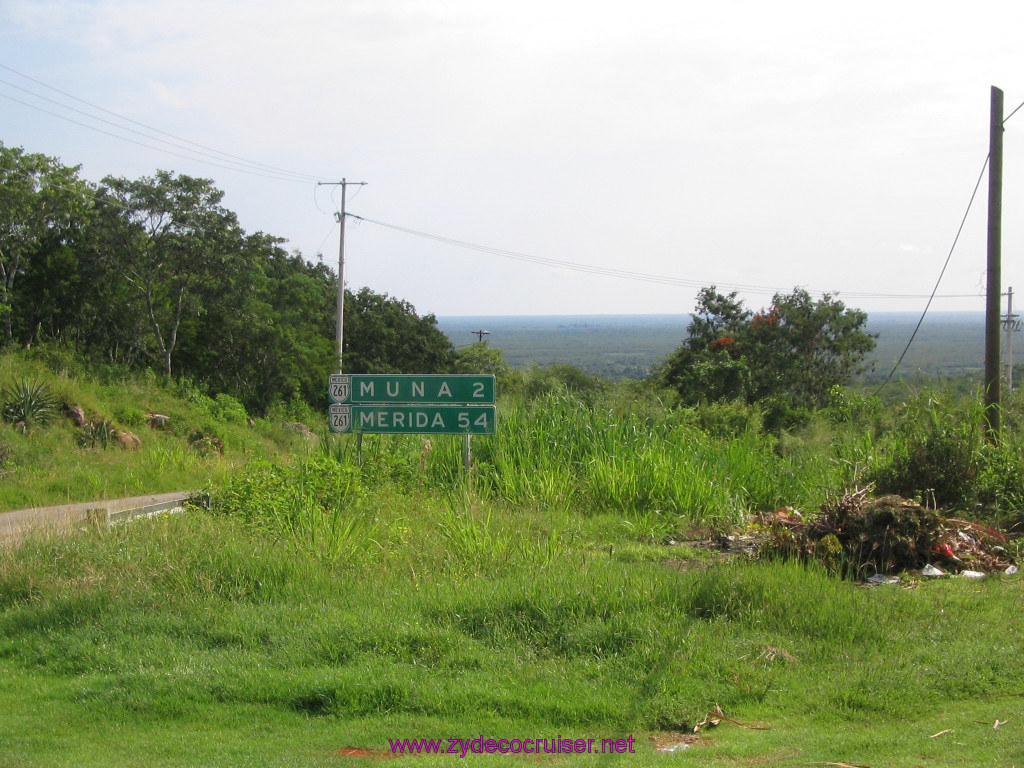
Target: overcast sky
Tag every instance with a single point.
(823, 145)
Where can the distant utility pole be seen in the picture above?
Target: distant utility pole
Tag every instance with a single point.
(993, 290)
(341, 261)
(480, 334)
(1011, 324)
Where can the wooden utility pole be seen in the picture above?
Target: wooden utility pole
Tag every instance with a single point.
(994, 289)
(341, 263)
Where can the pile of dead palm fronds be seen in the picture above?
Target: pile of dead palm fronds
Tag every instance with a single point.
(859, 535)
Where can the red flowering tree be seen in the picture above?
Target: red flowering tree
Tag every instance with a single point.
(790, 353)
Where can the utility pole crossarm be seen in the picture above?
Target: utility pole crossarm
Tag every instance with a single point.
(344, 184)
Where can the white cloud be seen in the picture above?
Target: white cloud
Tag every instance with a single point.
(726, 140)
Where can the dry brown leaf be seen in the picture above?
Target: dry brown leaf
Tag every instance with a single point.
(719, 715)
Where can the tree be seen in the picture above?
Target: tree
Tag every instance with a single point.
(791, 353)
(171, 238)
(479, 357)
(269, 333)
(42, 203)
(385, 335)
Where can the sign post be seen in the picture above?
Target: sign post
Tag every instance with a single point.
(434, 404)
(388, 419)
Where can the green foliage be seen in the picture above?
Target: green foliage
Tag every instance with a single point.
(481, 358)
(935, 453)
(730, 418)
(130, 415)
(226, 408)
(156, 272)
(788, 357)
(28, 403)
(639, 458)
(386, 335)
(560, 378)
(43, 205)
(6, 454)
(848, 407)
(314, 505)
(340, 603)
(182, 630)
(170, 238)
(267, 334)
(1001, 479)
(98, 434)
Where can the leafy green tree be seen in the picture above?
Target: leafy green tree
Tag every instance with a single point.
(479, 357)
(170, 238)
(43, 204)
(386, 335)
(790, 354)
(269, 333)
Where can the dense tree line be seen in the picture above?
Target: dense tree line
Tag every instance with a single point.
(156, 273)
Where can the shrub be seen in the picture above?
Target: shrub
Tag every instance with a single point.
(935, 454)
(28, 403)
(1001, 479)
(130, 416)
(226, 408)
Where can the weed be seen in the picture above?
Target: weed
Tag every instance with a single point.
(98, 434)
(471, 542)
(935, 454)
(130, 415)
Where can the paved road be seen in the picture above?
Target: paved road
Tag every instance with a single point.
(15, 525)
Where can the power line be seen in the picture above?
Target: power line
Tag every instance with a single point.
(1013, 113)
(139, 133)
(150, 146)
(939, 280)
(255, 167)
(630, 275)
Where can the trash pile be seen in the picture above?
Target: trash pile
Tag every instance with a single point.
(862, 536)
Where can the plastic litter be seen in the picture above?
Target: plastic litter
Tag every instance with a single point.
(881, 578)
(674, 747)
(931, 570)
(1011, 570)
(972, 574)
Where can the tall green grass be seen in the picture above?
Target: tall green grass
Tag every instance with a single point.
(559, 452)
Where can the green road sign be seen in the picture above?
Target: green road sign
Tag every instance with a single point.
(411, 388)
(413, 419)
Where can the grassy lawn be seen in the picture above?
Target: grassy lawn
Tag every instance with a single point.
(202, 640)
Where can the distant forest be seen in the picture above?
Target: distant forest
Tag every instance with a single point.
(949, 344)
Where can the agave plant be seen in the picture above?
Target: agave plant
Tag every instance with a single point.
(27, 403)
(98, 434)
